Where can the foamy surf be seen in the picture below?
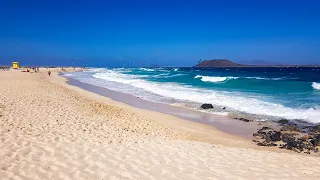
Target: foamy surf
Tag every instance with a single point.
(235, 101)
(316, 85)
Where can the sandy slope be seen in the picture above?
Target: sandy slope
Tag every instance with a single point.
(50, 131)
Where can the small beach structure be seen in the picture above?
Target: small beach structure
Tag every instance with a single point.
(15, 65)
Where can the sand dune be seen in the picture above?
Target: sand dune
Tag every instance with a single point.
(50, 131)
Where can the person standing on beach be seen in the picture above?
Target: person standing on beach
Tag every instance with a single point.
(49, 73)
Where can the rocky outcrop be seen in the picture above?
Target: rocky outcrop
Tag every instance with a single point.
(290, 128)
(289, 138)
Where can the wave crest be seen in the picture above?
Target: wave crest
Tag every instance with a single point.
(316, 85)
(214, 78)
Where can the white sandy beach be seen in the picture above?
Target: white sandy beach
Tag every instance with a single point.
(52, 130)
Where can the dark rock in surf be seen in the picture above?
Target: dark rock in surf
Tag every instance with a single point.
(206, 106)
(283, 121)
(244, 119)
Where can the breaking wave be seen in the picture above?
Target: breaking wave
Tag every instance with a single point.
(316, 85)
(165, 86)
(214, 78)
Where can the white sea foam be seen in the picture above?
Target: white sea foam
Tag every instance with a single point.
(68, 75)
(176, 69)
(220, 113)
(316, 85)
(261, 78)
(167, 75)
(146, 69)
(96, 70)
(242, 102)
(174, 75)
(221, 79)
(214, 78)
(161, 69)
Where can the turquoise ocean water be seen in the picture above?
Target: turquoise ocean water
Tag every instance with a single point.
(258, 93)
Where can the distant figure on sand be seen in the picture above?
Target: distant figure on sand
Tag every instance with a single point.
(49, 73)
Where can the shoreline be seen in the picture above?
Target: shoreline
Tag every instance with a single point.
(258, 132)
(225, 124)
(241, 104)
(201, 131)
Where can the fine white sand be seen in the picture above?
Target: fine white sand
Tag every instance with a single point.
(51, 130)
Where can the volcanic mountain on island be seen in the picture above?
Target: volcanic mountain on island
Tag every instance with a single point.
(218, 63)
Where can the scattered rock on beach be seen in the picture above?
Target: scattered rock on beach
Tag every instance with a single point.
(276, 136)
(265, 143)
(290, 128)
(305, 137)
(244, 119)
(206, 106)
(286, 137)
(293, 145)
(258, 135)
(316, 129)
(316, 140)
(264, 130)
(298, 142)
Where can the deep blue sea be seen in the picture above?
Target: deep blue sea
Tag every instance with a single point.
(258, 93)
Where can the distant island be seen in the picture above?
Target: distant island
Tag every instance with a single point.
(218, 63)
(228, 63)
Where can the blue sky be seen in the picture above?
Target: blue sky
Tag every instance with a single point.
(176, 33)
